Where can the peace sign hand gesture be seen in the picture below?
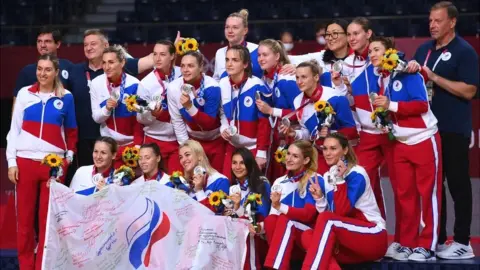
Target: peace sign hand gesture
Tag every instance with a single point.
(315, 189)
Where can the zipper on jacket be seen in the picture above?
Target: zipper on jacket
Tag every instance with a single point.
(41, 119)
(114, 122)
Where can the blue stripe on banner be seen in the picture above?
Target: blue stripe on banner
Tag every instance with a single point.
(141, 243)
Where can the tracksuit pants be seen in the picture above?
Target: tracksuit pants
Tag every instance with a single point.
(283, 235)
(345, 240)
(373, 151)
(418, 170)
(256, 252)
(32, 184)
(169, 153)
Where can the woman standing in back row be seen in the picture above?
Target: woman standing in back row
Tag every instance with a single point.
(153, 88)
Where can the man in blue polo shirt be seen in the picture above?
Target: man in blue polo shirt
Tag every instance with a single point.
(451, 66)
(94, 42)
(48, 41)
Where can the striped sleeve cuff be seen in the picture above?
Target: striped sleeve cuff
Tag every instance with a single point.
(193, 110)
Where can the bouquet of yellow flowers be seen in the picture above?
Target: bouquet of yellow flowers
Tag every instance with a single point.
(325, 113)
(392, 61)
(55, 163)
(281, 155)
(130, 156)
(381, 119)
(136, 104)
(215, 200)
(251, 204)
(186, 45)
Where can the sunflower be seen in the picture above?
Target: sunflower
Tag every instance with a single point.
(279, 156)
(177, 174)
(132, 163)
(127, 170)
(131, 101)
(135, 151)
(391, 51)
(52, 160)
(320, 105)
(179, 47)
(258, 198)
(190, 44)
(214, 198)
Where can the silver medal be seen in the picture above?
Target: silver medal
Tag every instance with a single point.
(115, 95)
(277, 188)
(338, 66)
(258, 96)
(232, 130)
(236, 189)
(429, 86)
(199, 170)
(286, 122)
(187, 89)
(372, 96)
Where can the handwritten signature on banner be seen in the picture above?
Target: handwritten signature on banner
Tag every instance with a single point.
(144, 226)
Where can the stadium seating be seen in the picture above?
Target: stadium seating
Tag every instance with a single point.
(201, 17)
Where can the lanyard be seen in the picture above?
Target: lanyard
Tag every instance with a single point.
(275, 81)
(164, 92)
(293, 179)
(438, 59)
(122, 86)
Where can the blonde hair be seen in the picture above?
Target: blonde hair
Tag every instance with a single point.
(276, 47)
(242, 14)
(197, 148)
(58, 88)
(308, 150)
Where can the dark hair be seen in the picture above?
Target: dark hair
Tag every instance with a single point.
(254, 175)
(198, 56)
(452, 10)
(171, 46)
(56, 35)
(387, 42)
(244, 56)
(110, 141)
(313, 65)
(343, 141)
(328, 56)
(156, 151)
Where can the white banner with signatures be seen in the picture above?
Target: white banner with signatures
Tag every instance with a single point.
(143, 226)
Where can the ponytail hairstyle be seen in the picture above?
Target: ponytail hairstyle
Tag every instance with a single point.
(328, 56)
(387, 42)
(203, 161)
(277, 48)
(171, 49)
(254, 175)
(245, 57)
(58, 88)
(364, 23)
(343, 141)
(242, 14)
(308, 151)
(156, 151)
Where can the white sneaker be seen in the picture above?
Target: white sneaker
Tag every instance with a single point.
(392, 250)
(402, 254)
(457, 251)
(442, 247)
(422, 255)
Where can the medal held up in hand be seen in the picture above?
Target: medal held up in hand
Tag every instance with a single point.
(187, 89)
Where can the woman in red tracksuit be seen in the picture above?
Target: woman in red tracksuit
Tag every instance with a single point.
(282, 91)
(248, 180)
(108, 94)
(293, 207)
(43, 123)
(240, 114)
(349, 227)
(153, 88)
(416, 157)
